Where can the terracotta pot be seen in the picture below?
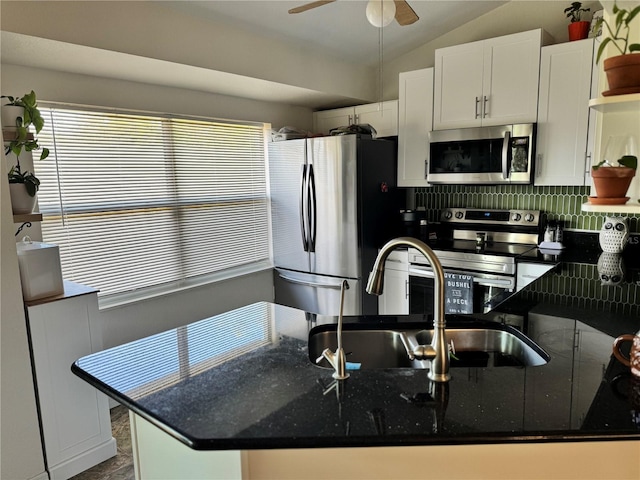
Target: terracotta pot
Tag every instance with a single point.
(623, 74)
(21, 201)
(612, 182)
(578, 30)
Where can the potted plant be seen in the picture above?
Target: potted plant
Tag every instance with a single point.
(612, 181)
(24, 185)
(578, 28)
(623, 71)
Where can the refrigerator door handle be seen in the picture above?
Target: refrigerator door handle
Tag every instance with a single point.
(312, 209)
(311, 284)
(303, 220)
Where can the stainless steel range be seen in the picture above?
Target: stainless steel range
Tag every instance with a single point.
(483, 244)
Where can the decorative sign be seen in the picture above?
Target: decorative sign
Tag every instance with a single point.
(458, 293)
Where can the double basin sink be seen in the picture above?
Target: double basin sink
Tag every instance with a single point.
(380, 346)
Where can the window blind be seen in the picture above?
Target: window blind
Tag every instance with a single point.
(139, 201)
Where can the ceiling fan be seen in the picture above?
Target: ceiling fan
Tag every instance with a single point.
(404, 14)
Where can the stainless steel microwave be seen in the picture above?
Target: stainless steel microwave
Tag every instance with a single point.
(482, 156)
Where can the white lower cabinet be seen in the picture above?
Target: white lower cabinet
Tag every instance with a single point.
(75, 421)
(415, 121)
(383, 116)
(395, 295)
(159, 456)
(565, 138)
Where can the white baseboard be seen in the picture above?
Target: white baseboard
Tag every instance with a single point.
(41, 476)
(84, 461)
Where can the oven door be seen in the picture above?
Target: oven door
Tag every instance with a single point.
(486, 286)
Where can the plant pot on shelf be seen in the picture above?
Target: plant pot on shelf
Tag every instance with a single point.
(9, 114)
(623, 74)
(611, 185)
(21, 201)
(578, 30)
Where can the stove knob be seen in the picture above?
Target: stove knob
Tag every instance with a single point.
(529, 217)
(459, 215)
(447, 215)
(516, 217)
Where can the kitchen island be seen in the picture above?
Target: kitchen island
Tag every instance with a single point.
(237, 396)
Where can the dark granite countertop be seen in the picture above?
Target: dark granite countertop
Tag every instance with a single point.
(244, 380)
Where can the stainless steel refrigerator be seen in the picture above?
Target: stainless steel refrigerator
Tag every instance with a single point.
(334, 203)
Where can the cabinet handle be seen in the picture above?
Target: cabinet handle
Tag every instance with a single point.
(356, 118)
(406, 289)
(477, 104)
(539, 165)
(350, 120)
(426, 169)
(484, 107)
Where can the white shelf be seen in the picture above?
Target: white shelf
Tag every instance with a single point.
(616, 103)
(632, 207)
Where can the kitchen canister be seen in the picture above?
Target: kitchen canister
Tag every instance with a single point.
(40, 271)
(614, 234)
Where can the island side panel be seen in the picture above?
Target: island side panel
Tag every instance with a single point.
(156, 456)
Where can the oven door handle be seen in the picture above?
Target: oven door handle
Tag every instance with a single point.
(426, 272)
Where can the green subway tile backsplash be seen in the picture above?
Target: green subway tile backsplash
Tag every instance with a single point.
(559, 203)
(579, 286)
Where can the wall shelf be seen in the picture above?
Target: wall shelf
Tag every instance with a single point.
(626, 208)
(9, 135)
(616, 103)
(27, 217)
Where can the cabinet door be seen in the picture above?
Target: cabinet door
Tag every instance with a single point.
(511, 73)
(563, 113)
(382, 116)
(325, 120)
(76, 427)
(458, 86)
(415, 121)
(395, 295)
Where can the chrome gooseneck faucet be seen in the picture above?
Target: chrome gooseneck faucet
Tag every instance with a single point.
(338, 359)
(438, 350)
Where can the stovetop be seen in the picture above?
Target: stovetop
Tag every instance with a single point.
(511, 250)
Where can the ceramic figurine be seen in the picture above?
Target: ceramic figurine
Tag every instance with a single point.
(610, 269)
(614, 234)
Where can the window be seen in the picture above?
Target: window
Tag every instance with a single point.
(136, 202)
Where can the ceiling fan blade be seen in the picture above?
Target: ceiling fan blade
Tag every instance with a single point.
(404, 13)
(309, 6)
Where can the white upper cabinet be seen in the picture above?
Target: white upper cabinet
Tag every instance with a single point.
(383, 116)
(415, 121)
(490, 82)
(564, 145)
(325, 120)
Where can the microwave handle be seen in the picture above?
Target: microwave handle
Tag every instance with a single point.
(505, 154)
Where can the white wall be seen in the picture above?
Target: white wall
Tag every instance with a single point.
(21, 454)
(58, 86)
(151, 30)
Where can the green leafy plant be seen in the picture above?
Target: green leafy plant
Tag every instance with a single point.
(630, 161)
(575, 11)
(31, 182)
(619, 35)
(22, 140)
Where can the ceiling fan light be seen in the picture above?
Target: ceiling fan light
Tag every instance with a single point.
(380, 13)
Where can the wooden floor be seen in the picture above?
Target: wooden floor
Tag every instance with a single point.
(119, 467)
